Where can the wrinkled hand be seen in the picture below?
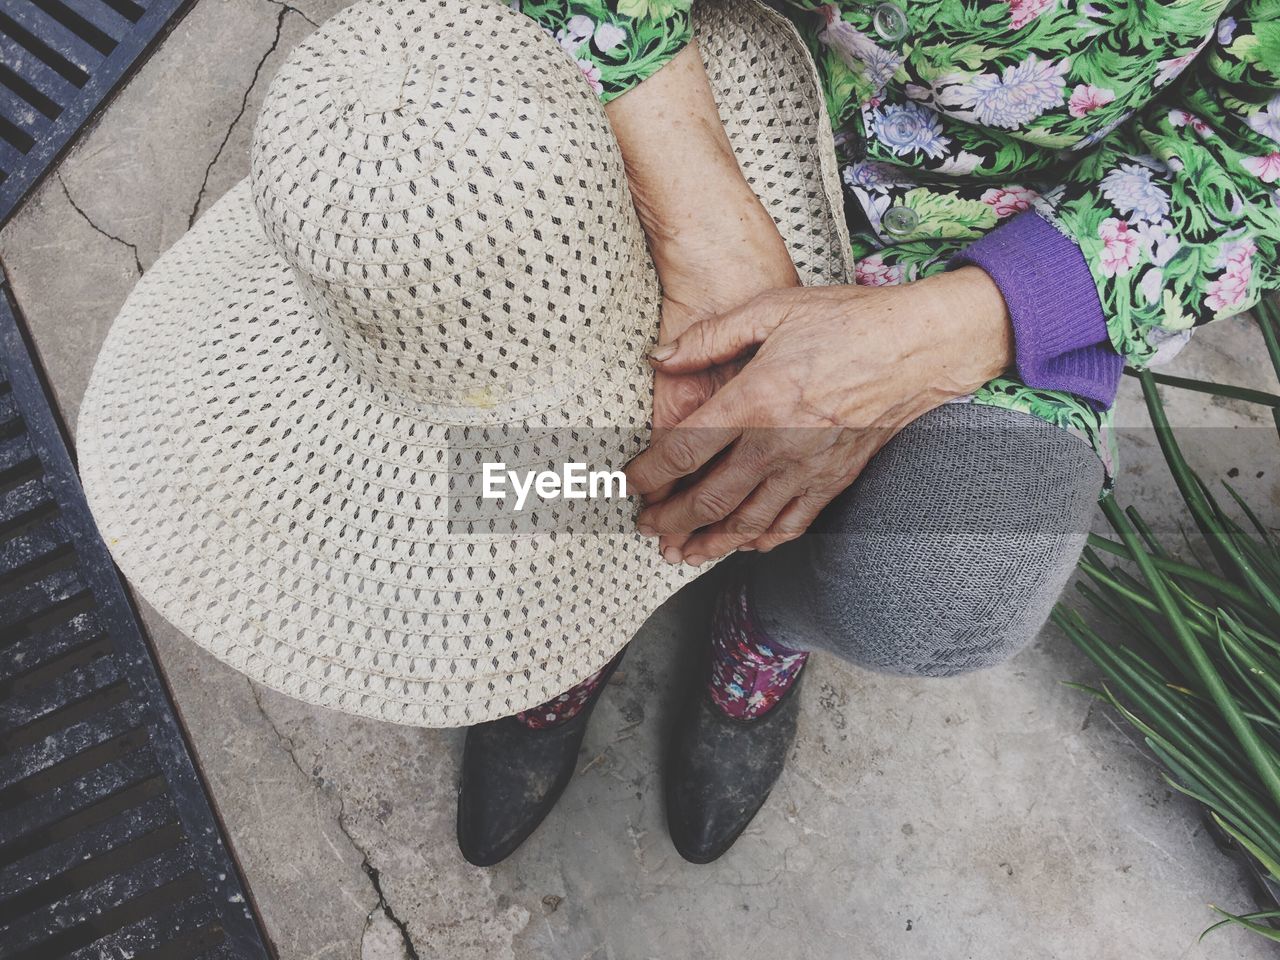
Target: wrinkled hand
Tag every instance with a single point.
(836, 372)
(700, 281)
(677, 395)
(713, 244)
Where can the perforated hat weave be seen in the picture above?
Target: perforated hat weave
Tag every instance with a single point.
(435, 256)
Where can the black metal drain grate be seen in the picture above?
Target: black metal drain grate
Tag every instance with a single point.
(108, 844)
(59, 61)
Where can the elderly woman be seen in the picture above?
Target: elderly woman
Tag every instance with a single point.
(1038, 192)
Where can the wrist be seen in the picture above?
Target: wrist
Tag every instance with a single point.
(740, 240)
(969, 326)
(1061, 340)
(676, 215)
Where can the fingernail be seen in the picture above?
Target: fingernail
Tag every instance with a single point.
(647, 531)
(671, 555)
(747, 549)
(695, 561)
(663, 351)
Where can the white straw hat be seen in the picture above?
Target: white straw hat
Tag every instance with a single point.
(435, 257)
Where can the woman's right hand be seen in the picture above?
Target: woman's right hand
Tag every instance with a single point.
(713, 244)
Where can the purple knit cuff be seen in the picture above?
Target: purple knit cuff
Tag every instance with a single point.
(1059, 333)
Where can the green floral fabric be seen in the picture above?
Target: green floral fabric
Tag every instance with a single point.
(617, 43)
(1148, 131)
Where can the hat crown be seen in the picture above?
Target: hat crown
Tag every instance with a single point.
(430, 196)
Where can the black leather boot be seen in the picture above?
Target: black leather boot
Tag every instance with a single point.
(720, 770)
(511, 778)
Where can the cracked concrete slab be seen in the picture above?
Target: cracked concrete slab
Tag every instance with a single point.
(80, 212)
(1000, 816)
(255, 778)
(177, 138)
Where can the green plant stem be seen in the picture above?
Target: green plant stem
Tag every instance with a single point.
(1195, 574)
(1245, 807)
(1217, 389)
(1255, 717)
(1258, 525)
(1212, 680)
(1213, 760)
(1141, 605)
(1249, 674)
(1156, 547)
(1228, 554)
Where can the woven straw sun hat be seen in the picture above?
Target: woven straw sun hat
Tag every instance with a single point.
(435, 257)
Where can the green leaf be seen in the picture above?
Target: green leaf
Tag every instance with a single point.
(945, 215)
(651, 9)
(1196, 668)
(1267, 861)
(1048, 139)
(1263, 532)
(1239, 725)
(1203, 510)
(1173, 568)
(1246, 921)
(1267, 50)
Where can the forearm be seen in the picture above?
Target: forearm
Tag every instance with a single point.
(688, 190)
(676, 151)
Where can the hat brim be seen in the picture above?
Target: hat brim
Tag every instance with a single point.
(243, 475)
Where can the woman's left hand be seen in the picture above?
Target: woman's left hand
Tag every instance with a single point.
(837, 371)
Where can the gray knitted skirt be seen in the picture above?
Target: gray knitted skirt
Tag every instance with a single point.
(945, 555)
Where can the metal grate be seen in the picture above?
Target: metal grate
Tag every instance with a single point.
(59, 61)
(108, 844)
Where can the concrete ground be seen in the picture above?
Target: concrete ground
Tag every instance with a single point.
(1000, 816)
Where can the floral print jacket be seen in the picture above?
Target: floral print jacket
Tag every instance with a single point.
(1147, 131)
